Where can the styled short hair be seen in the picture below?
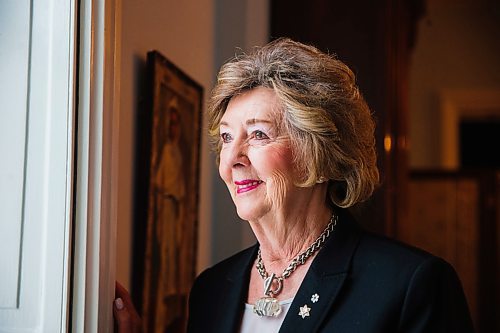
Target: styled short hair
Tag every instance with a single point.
(330, 126)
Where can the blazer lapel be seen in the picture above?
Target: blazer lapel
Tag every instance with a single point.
(325, 278)
(235, 293)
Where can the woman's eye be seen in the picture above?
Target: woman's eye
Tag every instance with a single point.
(226, 137)
(259, 135)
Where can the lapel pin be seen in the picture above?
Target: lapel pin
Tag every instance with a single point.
(314, 298)
(304, 311)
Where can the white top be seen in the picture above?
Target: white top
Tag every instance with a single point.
(252, 323)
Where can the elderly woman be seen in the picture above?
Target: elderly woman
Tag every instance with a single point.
(295, 144)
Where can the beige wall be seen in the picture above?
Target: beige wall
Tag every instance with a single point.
(458, 49)
(182, 31)
(198, 36)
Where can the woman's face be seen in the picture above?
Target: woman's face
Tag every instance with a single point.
(256, 161)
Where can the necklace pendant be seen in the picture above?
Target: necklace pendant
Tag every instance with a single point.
(267, 307)
(268, 283)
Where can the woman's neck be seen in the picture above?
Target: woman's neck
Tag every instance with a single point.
(284, 236)
(281, 240)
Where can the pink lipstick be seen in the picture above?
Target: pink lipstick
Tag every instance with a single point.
(247, 185)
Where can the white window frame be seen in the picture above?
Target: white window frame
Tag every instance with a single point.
(43, 261)
(97, 169)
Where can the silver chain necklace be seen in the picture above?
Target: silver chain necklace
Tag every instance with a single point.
(268, 305)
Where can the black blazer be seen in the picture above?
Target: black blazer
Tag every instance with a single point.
(365, 283)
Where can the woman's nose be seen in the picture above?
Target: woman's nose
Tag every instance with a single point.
(239, 154)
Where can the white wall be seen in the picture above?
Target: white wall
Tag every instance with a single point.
(182, 31)
(458, 48)
(197, 36)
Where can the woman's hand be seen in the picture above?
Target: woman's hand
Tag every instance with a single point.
(127, 319)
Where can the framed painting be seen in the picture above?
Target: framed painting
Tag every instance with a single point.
(167, 196)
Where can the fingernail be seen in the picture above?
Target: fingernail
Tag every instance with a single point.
(119, 303)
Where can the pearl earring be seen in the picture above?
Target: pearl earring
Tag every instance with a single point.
(321, 180)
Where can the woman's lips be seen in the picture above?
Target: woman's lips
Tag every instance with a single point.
(247, 185)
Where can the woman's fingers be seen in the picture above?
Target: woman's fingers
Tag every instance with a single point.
(122, 293)
(122, 317)
(126, 317)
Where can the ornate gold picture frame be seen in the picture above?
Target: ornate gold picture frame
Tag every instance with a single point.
(167, 177)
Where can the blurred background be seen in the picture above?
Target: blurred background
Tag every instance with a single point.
(430, 70)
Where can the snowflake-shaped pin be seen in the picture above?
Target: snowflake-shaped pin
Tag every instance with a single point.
(304, 311)
(314, 298)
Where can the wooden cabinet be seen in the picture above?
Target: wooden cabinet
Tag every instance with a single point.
(455, 215)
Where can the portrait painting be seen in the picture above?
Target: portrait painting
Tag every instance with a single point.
(167, 231)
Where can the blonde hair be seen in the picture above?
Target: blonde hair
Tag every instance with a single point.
(330, 126)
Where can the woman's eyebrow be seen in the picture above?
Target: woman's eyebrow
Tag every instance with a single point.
(256, 121)
(250, 122)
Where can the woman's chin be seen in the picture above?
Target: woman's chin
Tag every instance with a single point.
(250, 213)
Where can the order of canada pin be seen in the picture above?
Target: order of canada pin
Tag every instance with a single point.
(304, 311)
